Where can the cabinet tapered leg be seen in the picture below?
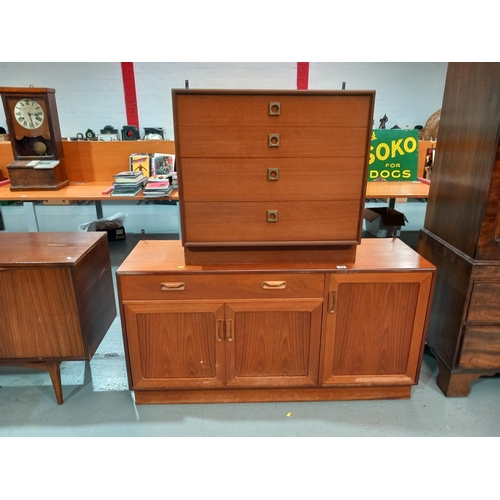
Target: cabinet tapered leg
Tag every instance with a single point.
(454, 385)
(53, 367)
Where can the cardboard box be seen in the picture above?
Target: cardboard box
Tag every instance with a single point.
(383, 222)
(115, 234)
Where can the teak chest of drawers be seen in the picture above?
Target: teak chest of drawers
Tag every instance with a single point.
(283, 332)
(57, 296)
(271, 175)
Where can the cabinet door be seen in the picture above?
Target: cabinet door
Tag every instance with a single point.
(175, 344)
(273, 343)
(38, 314)
(374, 328)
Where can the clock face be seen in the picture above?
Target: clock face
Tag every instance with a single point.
(29, 114)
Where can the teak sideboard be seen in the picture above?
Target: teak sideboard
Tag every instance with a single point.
(273, 332)
(58, 300)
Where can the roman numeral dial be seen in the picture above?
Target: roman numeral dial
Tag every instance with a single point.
(29, 114)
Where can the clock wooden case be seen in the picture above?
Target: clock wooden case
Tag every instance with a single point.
(35, 137)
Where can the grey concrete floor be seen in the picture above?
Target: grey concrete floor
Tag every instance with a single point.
(97, 401)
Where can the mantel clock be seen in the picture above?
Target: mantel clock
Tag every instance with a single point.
(35, 137)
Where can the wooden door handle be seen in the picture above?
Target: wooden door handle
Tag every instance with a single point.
(218, 328)
(173, 286)
(332, 302)
(229, 330)
(274, 285)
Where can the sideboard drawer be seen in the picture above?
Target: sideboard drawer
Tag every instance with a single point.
(484, 302)
(258, 110)
(481, 348)
(312, 221)
(210, 286)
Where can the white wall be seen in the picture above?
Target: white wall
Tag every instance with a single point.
(91, 94)
(408, 93)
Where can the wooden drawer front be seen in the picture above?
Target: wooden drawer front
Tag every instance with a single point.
(294, 142)
(274, 179)
(485, 302)
(481, 348)
(243, 286)
(254, 110)
(248, 222)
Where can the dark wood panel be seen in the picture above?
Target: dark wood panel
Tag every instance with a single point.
(96, 297)
(253, 142)
(248, 222)
(489, 239)
(465, 154)
(450, 295)
(247, 179)
(333, 109)
(481, 348)
(484, 303)
(265, 255)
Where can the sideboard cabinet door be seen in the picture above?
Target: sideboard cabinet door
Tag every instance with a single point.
(273, 343)
(374, 328)
(175, 344)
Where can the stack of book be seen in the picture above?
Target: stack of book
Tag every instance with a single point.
(157, 187)
(128, 183)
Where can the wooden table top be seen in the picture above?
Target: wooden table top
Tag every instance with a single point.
(79, 191)
(76, 191)
(397, 189)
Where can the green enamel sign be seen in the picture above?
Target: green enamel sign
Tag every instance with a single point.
(393, 155)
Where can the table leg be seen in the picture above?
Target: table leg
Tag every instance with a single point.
(98, 209)
(30, 214)
(179, 219)
(2, 226)
(392, 202)
(53, 367)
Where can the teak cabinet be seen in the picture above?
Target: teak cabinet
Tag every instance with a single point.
(271, 175)
(273, 332)
(461, 233)
(57, 296)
